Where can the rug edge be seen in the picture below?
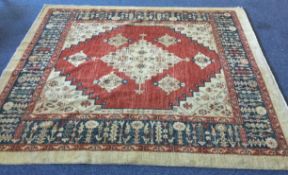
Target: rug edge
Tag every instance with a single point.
(149, 158)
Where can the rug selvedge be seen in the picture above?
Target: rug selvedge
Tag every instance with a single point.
(120, 118)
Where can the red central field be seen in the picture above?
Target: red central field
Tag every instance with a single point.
(129, 93)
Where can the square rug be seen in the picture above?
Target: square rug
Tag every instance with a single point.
(142, 85)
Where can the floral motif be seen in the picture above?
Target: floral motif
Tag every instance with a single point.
(261, 110)
(220, 127)
(46, 124)
(137, 124)
(91, 124)
(8, 106)
(179, 126)
(271, 143)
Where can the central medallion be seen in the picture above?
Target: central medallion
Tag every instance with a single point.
(141, 61)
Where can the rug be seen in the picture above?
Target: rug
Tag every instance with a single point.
(148, 86)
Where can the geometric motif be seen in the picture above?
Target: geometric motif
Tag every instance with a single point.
(59, 97)
(141, 60)
(88, 30)
(109, 81)
(77, 58)
(117, 40)
(201, 60)
(140, 63)
(167, 40)
(169, 84)
(199, 32)
(212, 99)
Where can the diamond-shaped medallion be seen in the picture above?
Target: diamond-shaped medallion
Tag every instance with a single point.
(167, 40)
(77, 58)
(117, 40)
(201, 60)
(109, 82)
(169, 84)
(141, 60)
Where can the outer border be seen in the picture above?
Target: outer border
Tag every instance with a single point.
(152, 158)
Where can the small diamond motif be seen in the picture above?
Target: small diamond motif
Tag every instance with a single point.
(167, 40)
(201, 60)
(169, 84)
(77, 58)
(117, 40)
(109, 82)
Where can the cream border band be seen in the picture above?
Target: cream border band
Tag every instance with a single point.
(158, 158)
